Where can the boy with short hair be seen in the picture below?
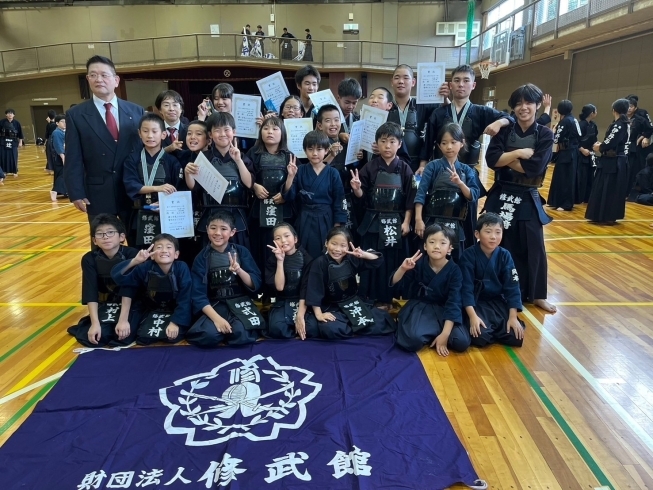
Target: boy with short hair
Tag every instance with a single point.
(388, 186)
(111, 320)
(349, 93)
(307, 80)
(171, 106)
(166, 284)
(233, 166)
(490, 291)
(224, 276)
(145, 175)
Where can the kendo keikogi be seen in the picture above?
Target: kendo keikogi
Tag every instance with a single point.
(235, 200)
(388, 193)
(444, 203)
(413, 120)
(332, 286)
(147, 170)
(11, 136)
(98, 287)
(515, 197)
(473, 119)
(215, 285)
(165, 300)
(283, 312)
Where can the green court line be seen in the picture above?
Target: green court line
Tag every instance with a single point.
(569, 432)
(30, 403)
(27, 340)
(36, 254)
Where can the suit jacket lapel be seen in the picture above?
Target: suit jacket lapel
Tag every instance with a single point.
(97, 124)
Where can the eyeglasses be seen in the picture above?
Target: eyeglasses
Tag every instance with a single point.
(103, 76)
(108, 234)
(292, 108)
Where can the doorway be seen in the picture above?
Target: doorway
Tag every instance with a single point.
(39, 113)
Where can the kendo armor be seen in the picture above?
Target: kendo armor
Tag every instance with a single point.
(223, 283)
(162, 290)
(590, 133)
(272, 172)
(103, 265)
(8, 133)
(292, 270)
(470, 153)
(342, 282)
(236, 193)
(387, 194)
(507, 175)
(412, 137)
(446, 203)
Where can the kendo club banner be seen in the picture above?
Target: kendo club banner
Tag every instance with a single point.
(278, 414)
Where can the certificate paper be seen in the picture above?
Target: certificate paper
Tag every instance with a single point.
(176, 212)
(273, 90)
(429, 78)
(245, 109)
(325, 97)
(296, 129)
(373, 118)
(355, 141)
(210, 179)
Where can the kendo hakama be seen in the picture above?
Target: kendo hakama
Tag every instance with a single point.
(236, 199)
(443, 202)
(142, 170)
(491, 286)
(166, 298)
(271, 172)
(283, 312)
(563, 181)
(215, 285)
(10, 135)
(607, 203)
(585, 167)
(388, 192)
(514, 196)
(99, 287)
(353, 212)
(320, 199)
(434, 299)
(332, 286)
(55, 147)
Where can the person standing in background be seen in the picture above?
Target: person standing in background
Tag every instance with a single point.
(56, 147)
(308, 50)
(48, 132)
(11, 138)
(261, 36)
(286, 45)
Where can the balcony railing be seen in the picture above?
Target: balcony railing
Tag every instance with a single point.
(225, 48)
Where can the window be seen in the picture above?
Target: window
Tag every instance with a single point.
(504, 9)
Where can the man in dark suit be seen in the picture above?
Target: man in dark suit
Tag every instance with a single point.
(100, 134)
(171, 106)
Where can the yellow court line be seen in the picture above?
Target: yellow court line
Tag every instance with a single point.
(597, 237)
(45, 222)
(6, 266)
(34, 250)
(56, 305)
(41, 367)
(604, 303)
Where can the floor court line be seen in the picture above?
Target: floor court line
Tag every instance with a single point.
(597, 237)
(42, 366)
(33, 386)
(41, 305)
(35, 334)
(629, 421)
(37, 212)
(29, 404)
(45, 223)
(29, 257)
(604, 303)
(560, 419)
(43, 250)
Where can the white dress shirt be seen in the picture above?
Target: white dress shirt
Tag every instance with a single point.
(99, 103)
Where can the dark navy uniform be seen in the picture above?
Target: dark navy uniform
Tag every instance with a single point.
(607, 202)
(98, 287)
(443, 202)
(585, 167)
(563, 181)
(281, 320)
(215, 285)
(491, 286)
(10, 135)
(332, 286)
(433, 299)
(165, 298)
(413, 120)
(515, 197)
(388, 192)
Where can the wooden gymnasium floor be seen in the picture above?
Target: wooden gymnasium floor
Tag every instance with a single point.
(572, 409)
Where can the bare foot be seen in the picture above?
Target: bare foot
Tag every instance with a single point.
(545, 305)
(2, 182)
